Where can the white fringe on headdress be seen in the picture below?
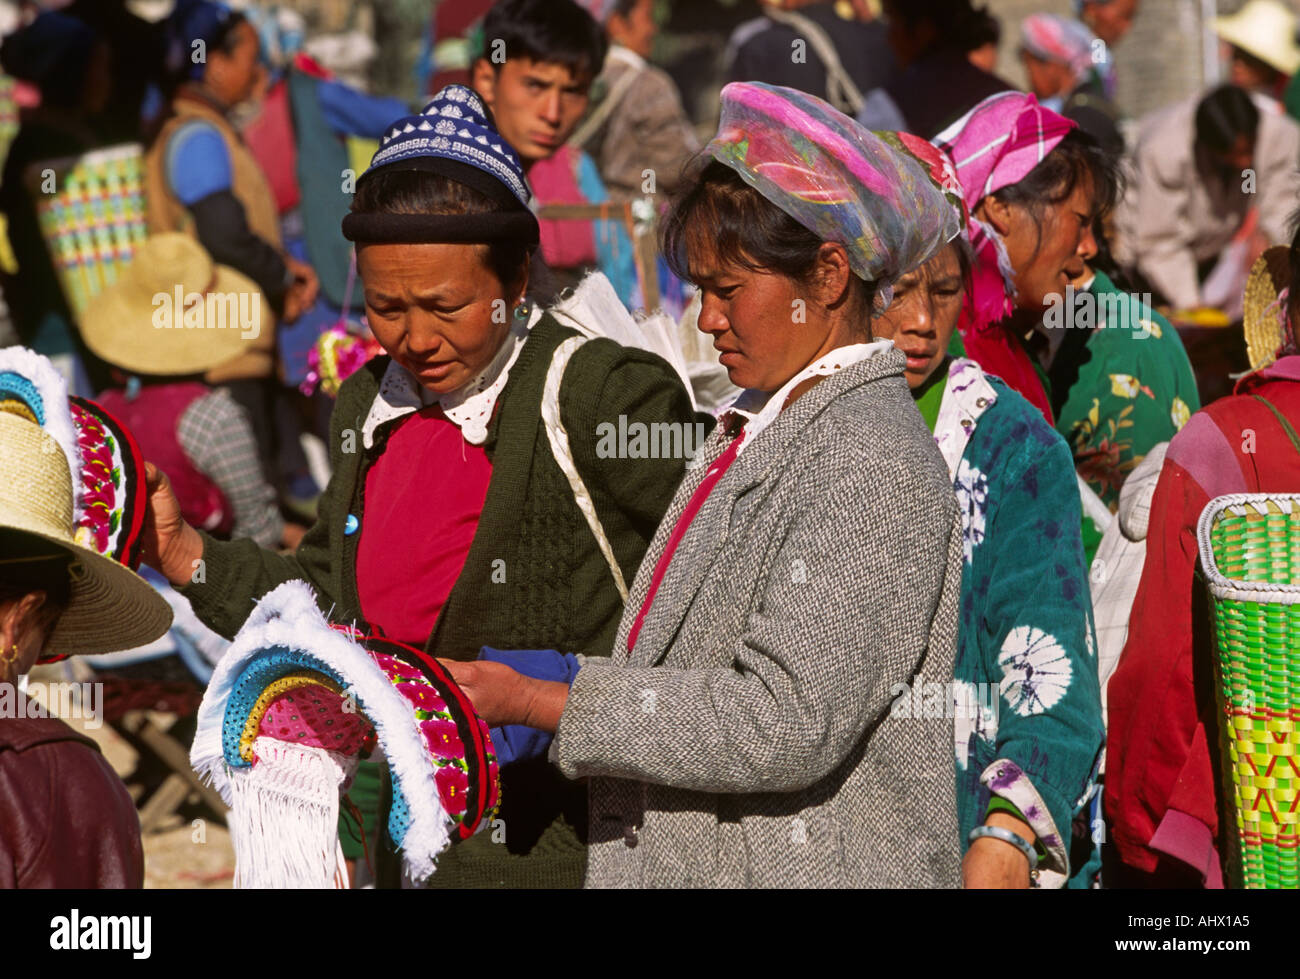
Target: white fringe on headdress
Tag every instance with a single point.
(284, 816)
(288, 617)
(53, 390)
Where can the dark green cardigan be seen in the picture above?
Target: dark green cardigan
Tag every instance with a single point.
(557, 593)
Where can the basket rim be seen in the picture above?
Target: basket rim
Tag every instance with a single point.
(62, 164)
(1236, 589)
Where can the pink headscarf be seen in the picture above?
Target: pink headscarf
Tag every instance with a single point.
(999, 141)
(993, 146)
(1051, 37)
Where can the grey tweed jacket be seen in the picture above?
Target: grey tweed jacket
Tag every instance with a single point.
(747, 741)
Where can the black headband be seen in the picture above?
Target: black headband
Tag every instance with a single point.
(419, 229)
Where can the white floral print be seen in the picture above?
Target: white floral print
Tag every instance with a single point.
(1036, 671)
(972, 488)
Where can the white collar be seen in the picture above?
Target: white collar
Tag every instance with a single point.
(967, 394)
(469, 406)
(760, 408)
(626, 55)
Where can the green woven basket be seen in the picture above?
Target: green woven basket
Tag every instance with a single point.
(94, 218)
(1250, 551)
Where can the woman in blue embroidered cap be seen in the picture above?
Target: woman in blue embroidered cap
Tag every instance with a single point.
(452, 521)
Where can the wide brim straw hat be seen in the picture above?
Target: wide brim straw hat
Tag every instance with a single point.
(110, 606)
(136, 323)
(1265, 29)
(1263, 322)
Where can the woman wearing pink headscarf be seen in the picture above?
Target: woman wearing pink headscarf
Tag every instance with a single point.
(1034, 185)
(1063, 61)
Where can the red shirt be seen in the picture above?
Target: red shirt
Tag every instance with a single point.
(1160, 793)
(424, 496)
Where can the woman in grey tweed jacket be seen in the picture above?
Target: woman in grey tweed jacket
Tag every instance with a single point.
(741, 734)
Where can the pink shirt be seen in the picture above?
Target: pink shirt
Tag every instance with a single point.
(424, 496)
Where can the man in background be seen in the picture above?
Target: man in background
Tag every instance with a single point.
(534, 72)
(1211, 172)
(827, 49)
(1263, 55)
(639, 124)
(937, 82)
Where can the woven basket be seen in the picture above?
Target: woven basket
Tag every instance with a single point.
(95, 219)
(1250, 551)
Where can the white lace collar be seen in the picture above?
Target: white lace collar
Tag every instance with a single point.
(469, 406)
(760, 408)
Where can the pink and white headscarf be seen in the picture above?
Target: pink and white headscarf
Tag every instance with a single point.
(993, 146)
(1050, 37)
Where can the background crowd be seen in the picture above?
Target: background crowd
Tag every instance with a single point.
(1092, 311)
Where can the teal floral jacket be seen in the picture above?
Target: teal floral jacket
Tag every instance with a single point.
(1135, 389)
(1027, 702)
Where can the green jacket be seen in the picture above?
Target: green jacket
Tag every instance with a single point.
(557, 592)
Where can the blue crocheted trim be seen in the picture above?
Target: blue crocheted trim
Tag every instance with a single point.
(269, 666)
(16, 386)
(399, 816)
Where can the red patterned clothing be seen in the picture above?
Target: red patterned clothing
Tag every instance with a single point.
(154, 417)
(423, 500)
(1160, 776)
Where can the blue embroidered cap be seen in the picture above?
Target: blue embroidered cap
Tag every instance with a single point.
(454, 126)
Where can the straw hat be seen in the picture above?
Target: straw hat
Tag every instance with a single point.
(151, 321)
(1264, 318)
(1265, 29)
(111, 607)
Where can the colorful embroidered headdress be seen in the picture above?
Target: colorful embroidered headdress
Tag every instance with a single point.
(64, 482)
(292, 708)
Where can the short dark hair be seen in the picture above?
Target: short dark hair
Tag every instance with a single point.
(420, 192)
(744, 228)
(1225, 115)
(623, 8)
(557, 31)
(982, 28)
